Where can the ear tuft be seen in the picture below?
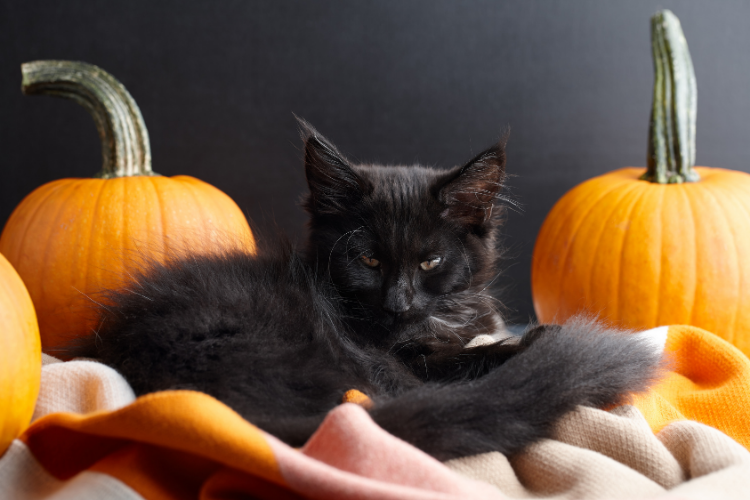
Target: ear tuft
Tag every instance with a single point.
(470, 192)
(333, 183)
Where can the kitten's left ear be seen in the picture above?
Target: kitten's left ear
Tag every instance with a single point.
(470, 192)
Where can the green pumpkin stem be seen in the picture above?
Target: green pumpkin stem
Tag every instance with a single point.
(671, 145)
(126, 149)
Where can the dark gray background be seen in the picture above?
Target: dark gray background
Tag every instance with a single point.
(389, 81)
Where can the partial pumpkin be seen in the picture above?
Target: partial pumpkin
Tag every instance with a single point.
(671, 246)
(20, 356)
(71, 238)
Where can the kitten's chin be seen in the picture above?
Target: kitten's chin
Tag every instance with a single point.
(403, 319)
(404, 326)
(386, 328)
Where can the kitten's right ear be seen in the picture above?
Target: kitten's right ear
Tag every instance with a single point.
(332, 181)
(470, 192)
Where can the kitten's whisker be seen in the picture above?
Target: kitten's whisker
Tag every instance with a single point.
(350, 238)
(100, 304)
(491, 282)
(330, 254)
(139, 294)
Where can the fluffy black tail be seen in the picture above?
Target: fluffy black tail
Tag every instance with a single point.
(561, 367)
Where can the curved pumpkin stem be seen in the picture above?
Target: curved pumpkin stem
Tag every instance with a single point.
(125, 146)
(671, 146)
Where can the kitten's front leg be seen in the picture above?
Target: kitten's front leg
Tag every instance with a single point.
(519, 402)
(435, 360)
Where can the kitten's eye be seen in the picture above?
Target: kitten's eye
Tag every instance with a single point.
(430, 263)
(369, 261)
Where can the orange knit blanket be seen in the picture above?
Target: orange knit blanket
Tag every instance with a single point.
(183, 444)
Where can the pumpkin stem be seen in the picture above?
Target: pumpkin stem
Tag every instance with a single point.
(125, 146)
(671, 145)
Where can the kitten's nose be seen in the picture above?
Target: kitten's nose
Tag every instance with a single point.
(398, 299)
(396, 308)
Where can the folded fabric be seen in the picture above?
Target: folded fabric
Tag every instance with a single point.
(709, 382)
(596, 454)
(80, 386)
(183, 444)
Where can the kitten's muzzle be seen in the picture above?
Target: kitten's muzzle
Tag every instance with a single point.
(398, 299)
(396, 308)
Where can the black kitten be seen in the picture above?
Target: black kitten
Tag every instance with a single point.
(411, 250)
(392, 287)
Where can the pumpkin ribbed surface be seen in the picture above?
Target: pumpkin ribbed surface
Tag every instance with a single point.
(71, 238)
(20, 356)
(640, 254)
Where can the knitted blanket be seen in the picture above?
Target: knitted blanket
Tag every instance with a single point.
(92, 439)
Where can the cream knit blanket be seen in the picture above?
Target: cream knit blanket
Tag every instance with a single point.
(108, 446)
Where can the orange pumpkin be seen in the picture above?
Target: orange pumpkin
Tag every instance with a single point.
(671, 246)
(71, 238)
(20, 356)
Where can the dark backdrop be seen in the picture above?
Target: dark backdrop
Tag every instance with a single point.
(388, 81)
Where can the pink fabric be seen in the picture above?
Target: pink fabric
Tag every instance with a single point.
(351, 457)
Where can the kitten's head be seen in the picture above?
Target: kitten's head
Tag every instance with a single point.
(406, 247)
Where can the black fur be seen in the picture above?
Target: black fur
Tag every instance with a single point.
(280, 338)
